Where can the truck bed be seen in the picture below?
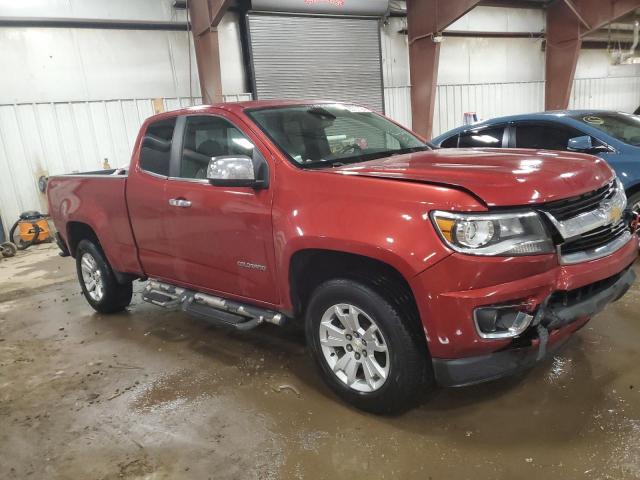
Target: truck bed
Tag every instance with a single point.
(97, 200)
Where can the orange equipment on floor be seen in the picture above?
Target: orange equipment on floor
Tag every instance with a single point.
(31, 228)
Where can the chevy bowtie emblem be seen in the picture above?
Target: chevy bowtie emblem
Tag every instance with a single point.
(615, 214)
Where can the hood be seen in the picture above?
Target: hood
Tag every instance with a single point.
(498, 177)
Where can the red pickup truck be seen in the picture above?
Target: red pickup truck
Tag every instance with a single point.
(409, 266)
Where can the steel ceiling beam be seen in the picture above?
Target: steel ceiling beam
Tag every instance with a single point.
(205, 16)
(426, 19)
(568, 21)
(575, 11)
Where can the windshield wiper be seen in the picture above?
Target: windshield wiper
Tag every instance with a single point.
(365, 157)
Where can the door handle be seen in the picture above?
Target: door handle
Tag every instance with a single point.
(179, 202)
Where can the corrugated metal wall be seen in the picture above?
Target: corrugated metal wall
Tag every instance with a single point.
(51, 138)
(611, 93)
(496, 99)
(42, 139)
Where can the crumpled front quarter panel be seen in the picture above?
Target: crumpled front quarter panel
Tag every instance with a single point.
(387, 220)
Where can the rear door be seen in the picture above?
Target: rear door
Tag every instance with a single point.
(146, 198)
(222, 236)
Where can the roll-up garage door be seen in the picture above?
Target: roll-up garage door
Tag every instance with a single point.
(314, 57)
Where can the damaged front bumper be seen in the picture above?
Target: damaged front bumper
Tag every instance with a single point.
(557, 317)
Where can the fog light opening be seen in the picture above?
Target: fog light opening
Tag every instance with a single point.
(501, 321)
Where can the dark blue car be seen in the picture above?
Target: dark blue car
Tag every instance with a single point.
(613, 136)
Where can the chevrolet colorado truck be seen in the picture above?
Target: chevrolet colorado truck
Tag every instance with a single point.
(410, 267)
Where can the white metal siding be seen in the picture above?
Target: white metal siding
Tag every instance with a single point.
(39, 139)
(490, 100)
(611, 93)
(317, 58)
(84, 64)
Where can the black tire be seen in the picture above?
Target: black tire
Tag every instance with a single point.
(634, 200)
(410, 375)
(116, 296)
(20, 244)
(9, 249)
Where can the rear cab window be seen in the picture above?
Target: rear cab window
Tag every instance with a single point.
(155, 153)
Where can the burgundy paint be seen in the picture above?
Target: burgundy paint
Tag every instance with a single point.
(379, 209)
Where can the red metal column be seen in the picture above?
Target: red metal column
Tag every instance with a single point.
(562, 50)
(424, 57)
(426, 18)
(205, 15)
(567, 22)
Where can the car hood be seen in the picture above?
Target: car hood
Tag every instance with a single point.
(498, 177)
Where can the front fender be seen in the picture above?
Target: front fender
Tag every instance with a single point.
(386, 220)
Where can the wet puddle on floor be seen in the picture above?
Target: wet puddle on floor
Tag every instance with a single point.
(170, 391)
(196, 402)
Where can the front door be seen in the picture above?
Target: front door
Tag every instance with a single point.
(222, 236)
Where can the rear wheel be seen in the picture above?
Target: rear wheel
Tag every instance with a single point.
(98, 282)
(365, 349)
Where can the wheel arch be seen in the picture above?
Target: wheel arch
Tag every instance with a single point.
(309, 268)
(78, 231)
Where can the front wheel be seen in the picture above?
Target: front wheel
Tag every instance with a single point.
(98, 282)
(365, 349)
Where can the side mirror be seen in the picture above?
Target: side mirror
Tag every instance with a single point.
(584, 144)
(233, 171)
(580, 144)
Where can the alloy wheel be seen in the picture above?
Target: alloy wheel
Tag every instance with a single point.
(92, 277)
(354, 347)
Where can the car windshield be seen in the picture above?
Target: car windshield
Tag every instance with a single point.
(623, 126)
(323, 135)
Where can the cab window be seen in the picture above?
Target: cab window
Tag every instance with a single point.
(206, 137)
(155, 152)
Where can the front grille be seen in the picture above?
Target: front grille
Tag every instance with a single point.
(571, 207)
(594, 239)
(571, 297)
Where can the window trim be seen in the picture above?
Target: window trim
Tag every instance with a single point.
(174, 169)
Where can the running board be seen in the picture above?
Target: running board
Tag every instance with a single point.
(213, 309)
(163, 294)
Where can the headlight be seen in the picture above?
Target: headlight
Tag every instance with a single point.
(506, 234)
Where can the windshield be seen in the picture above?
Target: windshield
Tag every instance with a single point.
(333, 134)
(623, 126)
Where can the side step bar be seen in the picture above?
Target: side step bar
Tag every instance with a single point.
(217, 310)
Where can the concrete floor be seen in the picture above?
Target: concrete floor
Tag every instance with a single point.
(155, 394)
